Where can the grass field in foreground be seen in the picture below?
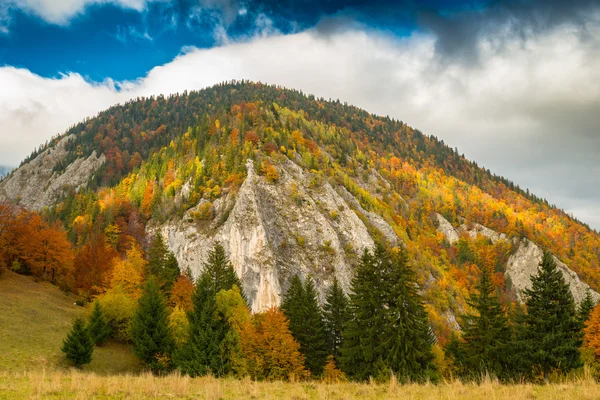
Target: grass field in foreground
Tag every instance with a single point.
(35, 318)
(85, 385)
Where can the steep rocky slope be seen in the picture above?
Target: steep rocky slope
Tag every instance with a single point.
(523, 263)
(274, 231)
(36, 184)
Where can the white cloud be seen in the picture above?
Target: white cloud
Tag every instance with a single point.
(59, 12)
(528, 111)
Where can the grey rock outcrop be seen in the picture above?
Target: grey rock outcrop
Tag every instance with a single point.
(35, 185)
(522, 264)
(446, 228)
(525, 262)
(272, 231)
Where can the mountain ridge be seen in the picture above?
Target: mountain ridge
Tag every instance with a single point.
(318, 181)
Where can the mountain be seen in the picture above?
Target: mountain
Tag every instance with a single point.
(293, 184)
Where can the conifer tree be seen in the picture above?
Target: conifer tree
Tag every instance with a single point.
(387, 331)
(203, 353)
(585, 308)
(98, 327)
(301, 307)
(486, 333)
(151, 336)
(335, 313)
(551, 332)
(78, 346)
(162, 263)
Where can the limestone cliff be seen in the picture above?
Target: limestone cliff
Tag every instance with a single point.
(272, 231)
(522, 264)
(36, 185)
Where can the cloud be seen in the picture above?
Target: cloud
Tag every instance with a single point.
(60, 12)
(528, 110)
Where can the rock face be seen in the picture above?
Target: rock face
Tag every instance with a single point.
(521, 265)
(525, 262)
(272, 231)
(452, 234)
(35, 185)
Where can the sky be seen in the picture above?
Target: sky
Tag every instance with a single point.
(513, 84)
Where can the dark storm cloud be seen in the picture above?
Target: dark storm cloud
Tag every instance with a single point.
(458, 34)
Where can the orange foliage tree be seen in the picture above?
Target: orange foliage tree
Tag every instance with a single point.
(93, 266)
(592, 332)
(181, 293)
(270, 348)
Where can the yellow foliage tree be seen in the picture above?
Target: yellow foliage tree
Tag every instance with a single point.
(128, 273)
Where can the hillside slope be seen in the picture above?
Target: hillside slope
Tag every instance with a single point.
(35, 318)
(291, 184)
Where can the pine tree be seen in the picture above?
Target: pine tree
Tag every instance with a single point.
(98, 327)
(335, 312)
(301, 307)
(202, 354)
(387, 331)
(220, 271)
(585, 308)
(78, 346)
(486, 334)
(551, 332)
(162, 263)
(150, 333)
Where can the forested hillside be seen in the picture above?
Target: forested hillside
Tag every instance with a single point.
(182, 159)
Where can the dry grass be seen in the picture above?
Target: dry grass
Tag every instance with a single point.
(82, 385)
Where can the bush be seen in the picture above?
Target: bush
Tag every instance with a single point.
(119, 310)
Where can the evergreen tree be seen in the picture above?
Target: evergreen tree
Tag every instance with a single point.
(335, 312)
(203, 353)
(456, 356)
(301, 307)
(387, 331)
(486, 334)
(551, 332)
(78, 346)
(585, 308)
(150, 333)
(162, 263)
(98, 327)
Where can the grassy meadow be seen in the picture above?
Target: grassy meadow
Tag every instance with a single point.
(35, 317)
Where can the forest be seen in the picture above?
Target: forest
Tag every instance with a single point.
(94, 243)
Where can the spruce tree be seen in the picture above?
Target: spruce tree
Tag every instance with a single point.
(203, 353)
(486, 333)
(551, 332)
(301, 307)
(585, 308)
(162, 263)
(152, 341)
(78, 346)
(98, 327)
(335, 312)
(387, 331)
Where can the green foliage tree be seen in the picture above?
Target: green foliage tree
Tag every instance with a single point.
(162, 263)
(301, 306)
(486, 333)
(98, 327)
(551, 332)
(335, 313)
(151, 336)
(78, 346)
(119, 309)
(387, 331)
(203, 352)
